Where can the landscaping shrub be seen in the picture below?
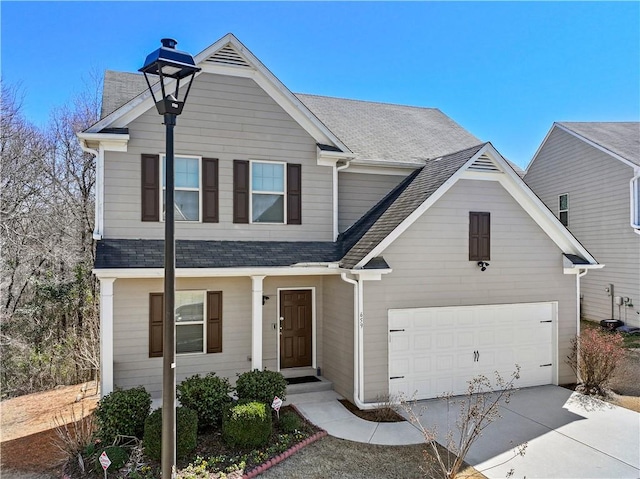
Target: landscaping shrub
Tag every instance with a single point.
(122, 412)
(247, 425)
(289, 422)
(208, 396)
(186, 432)
(116, 454)
(261, 386)
(600, 352)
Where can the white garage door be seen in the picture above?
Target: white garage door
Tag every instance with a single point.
(433, 351)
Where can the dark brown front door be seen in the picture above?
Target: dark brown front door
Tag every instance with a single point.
(295, 332)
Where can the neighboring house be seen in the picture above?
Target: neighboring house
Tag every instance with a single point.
(588, 174)
(381, 246)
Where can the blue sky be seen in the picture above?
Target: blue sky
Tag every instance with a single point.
(504, 71)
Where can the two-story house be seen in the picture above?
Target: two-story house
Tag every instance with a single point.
(588, 174)
(381, 246)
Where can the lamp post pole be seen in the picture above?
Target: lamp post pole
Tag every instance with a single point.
(171, 66)
(169, 333)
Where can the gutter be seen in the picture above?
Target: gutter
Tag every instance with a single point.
(578, 276)
(337, 169)
(358, 347)
(635, 208)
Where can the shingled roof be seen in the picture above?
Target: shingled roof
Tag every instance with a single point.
(621, 138)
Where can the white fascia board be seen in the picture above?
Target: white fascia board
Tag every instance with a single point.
(370, 274)
(419, 211)
(392, 170)
(108, 141)
(216, 272)
(331, 158)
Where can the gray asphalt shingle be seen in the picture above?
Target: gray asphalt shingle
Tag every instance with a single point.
(621, 138)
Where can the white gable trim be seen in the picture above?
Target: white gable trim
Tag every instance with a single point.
(514, 185)
(256, 71)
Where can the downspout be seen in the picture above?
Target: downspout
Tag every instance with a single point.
(358, 347)
(578, 276)
(99, 157)
(336, 169)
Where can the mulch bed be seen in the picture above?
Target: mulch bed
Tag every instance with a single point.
(374, 415)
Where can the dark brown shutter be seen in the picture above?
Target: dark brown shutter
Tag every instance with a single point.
(156, 320)
(241, 193)
(150, 174)
(209, 190)
(294, 194)
(479, 236)
(214, 321)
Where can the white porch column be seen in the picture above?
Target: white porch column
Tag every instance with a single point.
(106, 335)
(256, 322)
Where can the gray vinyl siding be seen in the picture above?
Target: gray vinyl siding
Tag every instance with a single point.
(599, 204)
(431, 268)
(338, 334)
(359, 192)
(229, 119)
(132, 364)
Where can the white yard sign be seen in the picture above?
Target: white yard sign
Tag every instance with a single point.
(276, 405)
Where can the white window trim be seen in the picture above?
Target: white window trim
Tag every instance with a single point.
(566, 210)
(634, 194)
(284, 193)
(199, 189)
(187, 323)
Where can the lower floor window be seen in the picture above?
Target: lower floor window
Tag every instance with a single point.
(190, 323)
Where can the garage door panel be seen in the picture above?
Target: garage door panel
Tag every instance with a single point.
(445, 347)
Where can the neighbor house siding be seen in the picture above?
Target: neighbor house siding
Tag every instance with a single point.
(598, 189)
(338, 334)
(228, 119)
(132, 364)
(431, 267)
(359, 192)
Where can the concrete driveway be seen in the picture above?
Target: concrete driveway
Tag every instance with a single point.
(569, 436)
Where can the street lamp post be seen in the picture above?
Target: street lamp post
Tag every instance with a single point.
(171, 66)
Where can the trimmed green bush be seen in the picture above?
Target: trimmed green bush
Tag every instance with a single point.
(289, 422)
(261, 386)
(186, 432)
(116, 454)
(122, 412)
(247, 425)
(208, 396)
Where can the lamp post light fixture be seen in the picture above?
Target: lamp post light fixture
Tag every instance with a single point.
(171, 66)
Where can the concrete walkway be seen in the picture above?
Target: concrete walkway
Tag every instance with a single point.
(568, 435)
(324, 410)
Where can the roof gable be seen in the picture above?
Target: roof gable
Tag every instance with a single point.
(434, 180)
(227, 56)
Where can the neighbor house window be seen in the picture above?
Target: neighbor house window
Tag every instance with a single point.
(635, 202)
(198, 322)
(479, 236)
(267, 192)
(563, 209)
(187, 188)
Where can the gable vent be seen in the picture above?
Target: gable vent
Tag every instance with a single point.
(484, 163)
(228, 55)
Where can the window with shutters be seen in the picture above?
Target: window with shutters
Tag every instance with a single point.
(479, 236)
(563, 209)
(268, 186)
(187, 188)
(198, 317)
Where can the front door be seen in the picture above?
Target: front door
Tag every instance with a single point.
(295, 328)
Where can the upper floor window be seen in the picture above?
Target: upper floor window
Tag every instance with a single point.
(267, 192)
(187, 188)
(563, 209)
(479, 236)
